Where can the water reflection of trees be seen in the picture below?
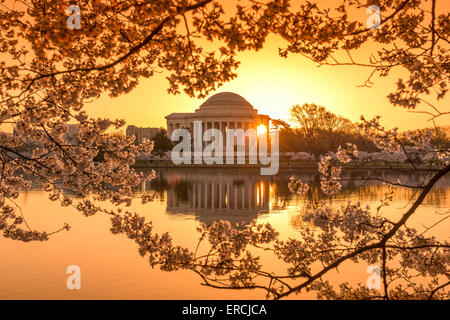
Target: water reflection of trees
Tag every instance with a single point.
(226, 257)
(239, 195)
(242, 195)
(363, 185)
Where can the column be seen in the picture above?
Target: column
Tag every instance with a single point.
(237, 194)
(194, 189)
(226, 139)
(220, 195)
(223, 137)
(213, 191)
(250, 193)
(199, 195)
(206, 196)
(266, 195)
(228, 196)
(243, 196)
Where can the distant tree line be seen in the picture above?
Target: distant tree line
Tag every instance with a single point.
(161, 144)
(320, 131)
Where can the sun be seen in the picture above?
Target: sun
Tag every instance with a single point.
(261, 129)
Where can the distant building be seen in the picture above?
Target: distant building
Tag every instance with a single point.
(141, 134)
(225, 110)
(222, 111)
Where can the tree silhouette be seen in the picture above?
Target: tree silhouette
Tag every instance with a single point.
(161, 143)
(49, 72)
(317, 123)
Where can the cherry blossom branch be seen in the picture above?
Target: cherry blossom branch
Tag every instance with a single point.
(379, 244)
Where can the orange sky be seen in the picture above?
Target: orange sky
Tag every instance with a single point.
(273, 84)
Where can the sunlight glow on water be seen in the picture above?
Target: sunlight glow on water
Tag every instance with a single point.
(112, 267)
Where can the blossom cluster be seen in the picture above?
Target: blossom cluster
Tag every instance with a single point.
(298, 186)
(330, 175)
(346, 154)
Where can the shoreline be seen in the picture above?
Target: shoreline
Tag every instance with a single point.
(307, 166)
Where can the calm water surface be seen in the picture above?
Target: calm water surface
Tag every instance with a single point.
(112, 268)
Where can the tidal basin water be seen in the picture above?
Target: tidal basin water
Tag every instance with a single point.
(111, 267)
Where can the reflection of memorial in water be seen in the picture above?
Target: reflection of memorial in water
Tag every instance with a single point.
(227, 195)
(241, 195)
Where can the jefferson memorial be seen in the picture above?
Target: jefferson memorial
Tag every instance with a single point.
(225, 110)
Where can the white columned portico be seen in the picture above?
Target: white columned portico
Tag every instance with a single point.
(222, 111)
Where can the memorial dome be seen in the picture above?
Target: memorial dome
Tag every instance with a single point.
(226, 99)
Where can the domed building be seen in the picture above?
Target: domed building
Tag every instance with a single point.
(225, 110)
